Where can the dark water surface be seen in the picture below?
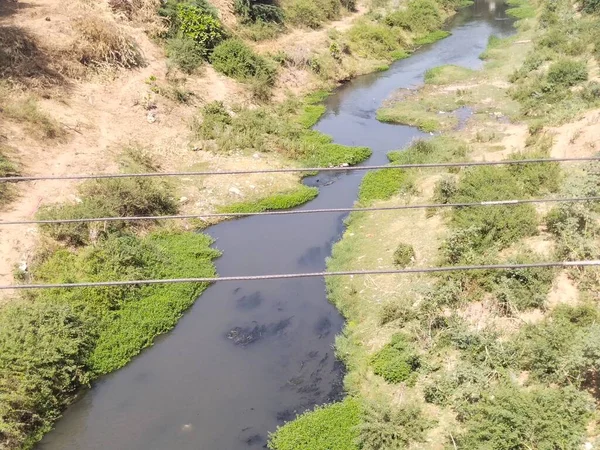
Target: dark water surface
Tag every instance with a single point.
(250, 355)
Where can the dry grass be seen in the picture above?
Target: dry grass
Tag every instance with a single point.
(23, 61)
(103, 43)
(24, 108)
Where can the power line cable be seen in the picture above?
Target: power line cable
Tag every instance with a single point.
(294, 169)
(301, 211)
(305, 275)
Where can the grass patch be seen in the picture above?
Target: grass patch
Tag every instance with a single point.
(27, 111)
(374, 40)
(105, 198)
(432, 37)
(436, 149)
(384, 184)
(283, 200)
(521, 9)
(282, 128)
(7, 169)
(396, 362)
(448, 74)
(404, 255)
(416, 115)
(54, 344)
(333, 426)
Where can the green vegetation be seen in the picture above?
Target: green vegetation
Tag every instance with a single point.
(194, 31)
(326, 427)
(283, 200)
(447, 74)
(521, 9)
(104, 198)
(436, 149)
(374, 40)
(7, 169)
(386, 427)
(565, 72)
(404, 255)
(432, 37)
(397, 361)
(236, 60)
(281, 128)
(384, 184)
(56, 342)
(420, 17)
(512, 418)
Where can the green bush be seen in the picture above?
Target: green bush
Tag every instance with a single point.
(261, 31)
(257, 11)
(404, 255)
(495, 225)
(386, 427)
(374, 40)
(129, 317)
(420, 17)
(396, 310)
(591, 92)
(518, 289)
(432, 37)
(436, 149)
(197, 24)
(567, 72)
(236, 60)
(384, 184)
(43, 362)
(509, 418)
(591, 6)
(563, 349)
(397, 361)
(105, 198)
(333, 426)
(445, 189)
(284, 200)
(447, 74)
(185, 54)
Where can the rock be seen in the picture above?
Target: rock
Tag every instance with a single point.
(187, 427)
(345, 165)
(183, 200)
(235, 191)
(23, 266)
(588, 446)
(48, 19)
(151, 117)
(256, 156)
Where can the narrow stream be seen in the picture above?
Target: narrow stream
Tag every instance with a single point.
(249, 356)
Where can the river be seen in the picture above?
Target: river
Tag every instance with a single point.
(250, 355)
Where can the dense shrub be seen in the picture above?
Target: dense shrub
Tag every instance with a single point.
(567, 72)
(387, 427)
(518, 289)
(200, 26)
(258, 11)
(108, 197)
(563, 349)
(591, 6)
(312, 13)
(495, 225)
(397, 361)
(509, 418)
(43, 354)
(185, 54)
(420, 17)
(235, 59)
(374, 40)
(384, 184)
(327, 427)
(404, 255)
(396, 310)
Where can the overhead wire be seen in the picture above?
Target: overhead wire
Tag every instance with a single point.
(285, 276)
(15, 179)
(302, 211)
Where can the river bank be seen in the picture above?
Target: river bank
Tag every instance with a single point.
(448, 361)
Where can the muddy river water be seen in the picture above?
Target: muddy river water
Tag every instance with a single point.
(250, 355)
